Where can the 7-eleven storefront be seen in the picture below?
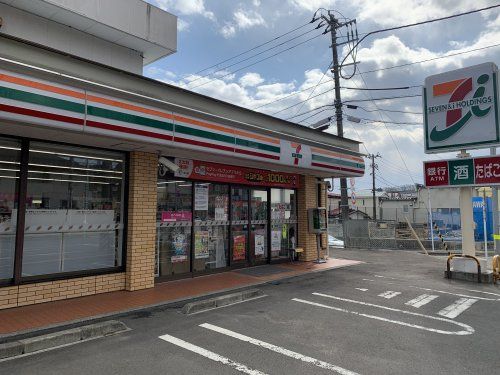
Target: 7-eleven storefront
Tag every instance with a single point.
(86, 207)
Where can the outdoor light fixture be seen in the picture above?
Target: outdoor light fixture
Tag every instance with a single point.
(353, 119)
(321, 124)
(168, 164)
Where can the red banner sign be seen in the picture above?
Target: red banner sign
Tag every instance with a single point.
(436, 173)
(206, 171)
(482, 171)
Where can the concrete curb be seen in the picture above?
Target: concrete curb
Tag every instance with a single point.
(61, 338)
(224, 300)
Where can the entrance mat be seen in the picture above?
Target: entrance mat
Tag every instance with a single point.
(262, 270)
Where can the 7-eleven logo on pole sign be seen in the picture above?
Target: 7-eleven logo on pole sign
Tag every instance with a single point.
(461, 109)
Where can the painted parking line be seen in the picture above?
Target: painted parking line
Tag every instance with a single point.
(421, 300)
(210, 355)
(456, 308)
(278, 349)
(438, 291)
(469, 290)
(362, 289)
(467, 330)
(389, 294)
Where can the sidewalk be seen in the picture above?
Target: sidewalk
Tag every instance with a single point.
(50, 314)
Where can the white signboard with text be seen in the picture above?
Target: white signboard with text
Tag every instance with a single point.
(461, 109)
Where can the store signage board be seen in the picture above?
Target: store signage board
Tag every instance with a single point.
(481, 171)
(461, 109)
(214, 172)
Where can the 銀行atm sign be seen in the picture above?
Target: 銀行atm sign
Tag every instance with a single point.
(463, 172)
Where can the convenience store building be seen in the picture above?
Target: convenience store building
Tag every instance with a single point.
(85, 205)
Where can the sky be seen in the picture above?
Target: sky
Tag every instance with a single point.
(212, 31)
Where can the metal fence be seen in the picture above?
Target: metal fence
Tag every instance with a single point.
(383, 234)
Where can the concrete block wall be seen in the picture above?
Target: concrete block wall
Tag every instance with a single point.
(143, 171)
(307, 197)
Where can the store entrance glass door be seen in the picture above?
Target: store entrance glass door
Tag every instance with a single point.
(258, 226)
(239, 225)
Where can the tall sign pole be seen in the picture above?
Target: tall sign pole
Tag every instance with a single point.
(461, 112)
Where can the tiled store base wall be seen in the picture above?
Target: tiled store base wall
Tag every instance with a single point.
(30, 294)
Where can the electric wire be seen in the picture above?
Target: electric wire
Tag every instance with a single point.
(258, 61)
(224, 68)
(406, 26)
(252, 49)
(392, 67)
(314, 89)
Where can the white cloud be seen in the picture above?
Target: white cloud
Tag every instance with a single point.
(256, 3)
(186, 7)
(242, 20)
(312, 5)
(389, 12)
(251, 79)
(247, 19)
(182, 25)
(228, 30)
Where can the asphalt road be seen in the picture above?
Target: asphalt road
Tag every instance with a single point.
(394, 314)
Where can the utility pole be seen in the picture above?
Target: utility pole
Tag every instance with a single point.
(333, 25)
(374, 167)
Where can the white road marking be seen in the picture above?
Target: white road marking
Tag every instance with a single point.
(468, 330)
(210, 355)
(362, 289)
(469, 290)
(458, 307)
(389, 294)
(278, 349)
(421, 300)
(438, 291)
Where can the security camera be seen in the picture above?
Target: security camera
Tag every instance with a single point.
(168, 164)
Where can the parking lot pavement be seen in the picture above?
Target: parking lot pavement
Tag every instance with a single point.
(374, 318)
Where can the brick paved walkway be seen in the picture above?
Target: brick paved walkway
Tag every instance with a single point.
(20, 319)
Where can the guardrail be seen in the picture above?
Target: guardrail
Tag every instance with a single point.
(448, 271)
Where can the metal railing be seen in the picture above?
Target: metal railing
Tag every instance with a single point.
(448, 270)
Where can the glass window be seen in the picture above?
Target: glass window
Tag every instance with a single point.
(239, 228)
(258, 234)
(211, 210)
(10, 152)
(174, 223)
(74, 209)
(283, 222)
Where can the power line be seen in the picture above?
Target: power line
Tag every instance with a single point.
(387, 98)
(389, 122)
(259, 61)
(388, 110)
(222, 69)
(411, 25)
(314, 89)
(432, 59)
(311, 110)
(388, 68)
(252, 49)
(349, 101)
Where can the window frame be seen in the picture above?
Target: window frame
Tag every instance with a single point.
(17, 278)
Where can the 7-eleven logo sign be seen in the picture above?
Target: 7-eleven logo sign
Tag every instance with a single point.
(461, 109)
(296, 155)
